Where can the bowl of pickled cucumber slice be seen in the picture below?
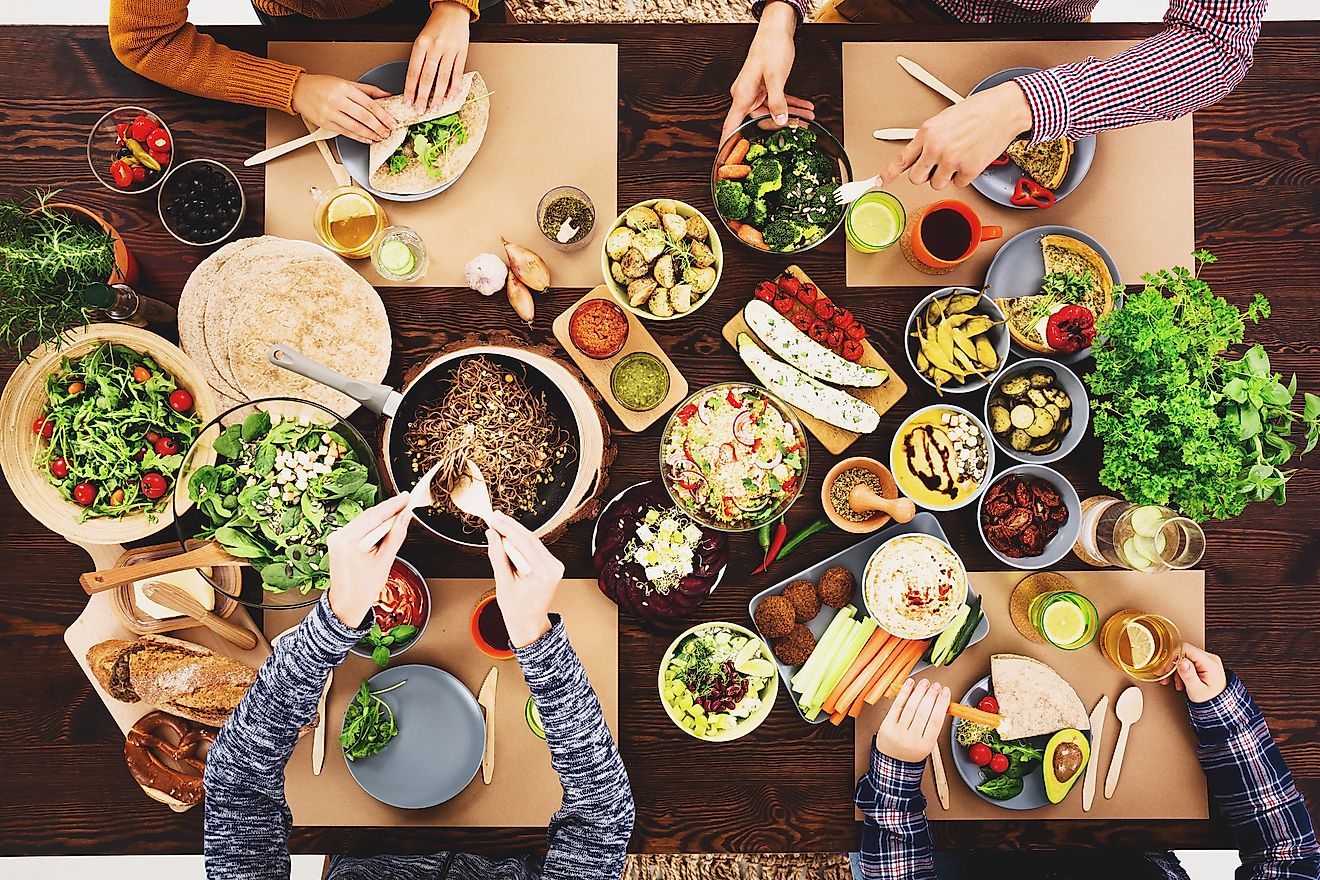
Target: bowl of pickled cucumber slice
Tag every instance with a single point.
(956, 340)
(718, 682)
(1037, 411)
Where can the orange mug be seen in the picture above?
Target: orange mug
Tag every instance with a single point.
(487, 627)
(943, 234)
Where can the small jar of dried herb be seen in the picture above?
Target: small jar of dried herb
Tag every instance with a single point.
(566, 217)
(842, 487)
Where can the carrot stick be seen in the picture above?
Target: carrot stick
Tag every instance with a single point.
(890, 654)
(976, 716)
(739, 151)
(836, 718)
(733, 172)
(904, 670)
(883, 657)
(869, 650)
(752, 236)
(897, 671)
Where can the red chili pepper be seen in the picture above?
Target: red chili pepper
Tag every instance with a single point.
(733, 401)
(1030, 194)
(162, 157)
(776, 543)
(121, 173)
(766, 291)
(687, 413)
(1070, 329)
(141, 127)
(139, 174)
(1002, 160)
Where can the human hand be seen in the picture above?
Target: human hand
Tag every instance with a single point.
(759, 88)
(342, 105)
(913, 723)
(959, 142)
(1199, 673)
(439, 54)
(524, 597)
(357, 571)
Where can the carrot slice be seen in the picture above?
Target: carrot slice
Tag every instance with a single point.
(893, 652)
(836, 718)
(882, 658)
(868, 652)
(977, 716)
(904, 670)
(858, 704)
(897, 671)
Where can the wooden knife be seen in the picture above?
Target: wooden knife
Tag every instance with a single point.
(1097, 731)
(941, 780)
(486, 699)
(318, 735)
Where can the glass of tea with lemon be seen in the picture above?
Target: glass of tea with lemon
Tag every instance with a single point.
(348, 221)
(875, 221)
(1144, 646)
(1064, 618)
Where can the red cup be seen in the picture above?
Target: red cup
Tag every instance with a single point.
(489, 633)
(927, 242)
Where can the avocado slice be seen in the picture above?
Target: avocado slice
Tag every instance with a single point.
(1065, 759)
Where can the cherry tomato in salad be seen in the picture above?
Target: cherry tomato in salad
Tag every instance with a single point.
(980, 754)
(76, 388)
(43, 426)
(988, 704)
(180, 401)
(154, 485)
(121, 174)
(117, 497)
(158, 141)
(59, 468)
(998, 763)
(84, 493)
(167, 446)
(141, 128)
(141, 374)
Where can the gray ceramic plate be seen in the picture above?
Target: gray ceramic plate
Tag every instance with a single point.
(1019, 268)
(357, 156)
(433, 707)
(1033, 788)
(854, 559)
(998, 182)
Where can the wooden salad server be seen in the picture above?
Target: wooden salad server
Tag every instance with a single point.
(321, 134)
(471, 495)
(894, 134)
(486, 699)
(941, 779)
(207, 555)
(1097, 739)
(170, 596)
(864, 499)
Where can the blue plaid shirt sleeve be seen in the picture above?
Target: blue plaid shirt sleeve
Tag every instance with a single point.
(1252, 787)
(895, 834)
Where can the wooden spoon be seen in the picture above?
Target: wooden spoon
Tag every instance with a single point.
(173, 597)
(471, 495)
(864, 499)
(205, 556)
(1128, 710)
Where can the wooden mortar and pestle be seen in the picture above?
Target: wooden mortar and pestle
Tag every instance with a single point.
(885, 505)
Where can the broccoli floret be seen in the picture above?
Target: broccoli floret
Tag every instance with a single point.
(731, 201)
(756, 214)
(791, 139)
(755, 152)
(782, 234)
(816, 165)
(767, 176)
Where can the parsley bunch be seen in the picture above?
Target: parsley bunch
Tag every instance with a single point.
(1182, 424)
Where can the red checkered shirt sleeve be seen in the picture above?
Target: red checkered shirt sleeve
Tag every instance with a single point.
(802, 7)
(1253, 788)
(1202, 55)
(895, 834)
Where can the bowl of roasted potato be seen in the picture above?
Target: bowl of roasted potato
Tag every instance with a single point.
(662, 259)
(1037, 411)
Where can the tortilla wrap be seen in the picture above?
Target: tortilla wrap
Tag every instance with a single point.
(1033, 698)
(414, 178)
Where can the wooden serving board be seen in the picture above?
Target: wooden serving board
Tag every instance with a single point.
(598, 371)
(883, 398)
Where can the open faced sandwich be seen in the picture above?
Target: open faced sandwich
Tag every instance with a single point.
(1077, 290)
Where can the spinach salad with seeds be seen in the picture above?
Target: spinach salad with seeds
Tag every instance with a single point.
(278, 489)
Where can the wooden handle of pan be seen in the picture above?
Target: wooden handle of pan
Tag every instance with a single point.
(204, 556)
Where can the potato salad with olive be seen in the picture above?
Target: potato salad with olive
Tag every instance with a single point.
(661, 258)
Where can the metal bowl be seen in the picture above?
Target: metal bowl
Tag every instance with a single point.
(751, 129)
(998, 336)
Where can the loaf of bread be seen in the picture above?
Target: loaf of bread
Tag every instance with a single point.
(173, 675)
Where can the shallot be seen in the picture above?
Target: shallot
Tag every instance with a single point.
(528, 266)
(485, 274)
(520, 298)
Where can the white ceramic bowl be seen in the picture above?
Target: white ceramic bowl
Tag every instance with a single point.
(746, 725)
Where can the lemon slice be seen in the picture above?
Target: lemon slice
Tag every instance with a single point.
(349, 206)
(874, 223)
(757, 667)
(1064, 623)
(1142, 644)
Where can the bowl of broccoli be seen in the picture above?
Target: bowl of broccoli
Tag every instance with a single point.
(774, 190)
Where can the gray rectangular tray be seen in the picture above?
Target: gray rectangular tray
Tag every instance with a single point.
(854, 559)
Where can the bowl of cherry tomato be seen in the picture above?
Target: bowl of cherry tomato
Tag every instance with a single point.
(130, 149)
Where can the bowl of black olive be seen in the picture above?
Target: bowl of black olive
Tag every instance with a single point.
(201, 202)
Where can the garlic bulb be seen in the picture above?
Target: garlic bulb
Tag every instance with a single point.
(486, 274)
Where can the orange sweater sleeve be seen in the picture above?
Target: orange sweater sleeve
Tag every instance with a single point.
(154, 38)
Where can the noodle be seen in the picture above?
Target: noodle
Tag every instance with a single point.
(491, 417)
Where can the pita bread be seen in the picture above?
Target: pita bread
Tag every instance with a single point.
(1033, 698)
(414, 178)
(192, 303)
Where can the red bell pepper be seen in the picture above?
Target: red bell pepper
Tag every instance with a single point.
(1030, 194)
(1070, 329)
(1002, 160)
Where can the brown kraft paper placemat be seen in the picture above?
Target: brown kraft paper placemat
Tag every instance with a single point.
(1161, 777)
(1136, 200)
(553, 121)
(525, 791)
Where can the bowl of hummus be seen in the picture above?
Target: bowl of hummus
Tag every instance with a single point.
(914, 585)
(942, 457)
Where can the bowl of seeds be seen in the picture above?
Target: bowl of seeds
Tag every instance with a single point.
(859, 495)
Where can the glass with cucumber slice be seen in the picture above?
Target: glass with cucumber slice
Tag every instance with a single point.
(399, 254)
(1140, 537)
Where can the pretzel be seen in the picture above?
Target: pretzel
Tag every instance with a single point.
(158, 779)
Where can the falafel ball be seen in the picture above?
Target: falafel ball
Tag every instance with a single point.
(837, 586)
(794, 648)
(775, 617)
(805, 599)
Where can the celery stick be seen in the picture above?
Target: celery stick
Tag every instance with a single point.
(832, 632)
(807, 701)
(845, 659)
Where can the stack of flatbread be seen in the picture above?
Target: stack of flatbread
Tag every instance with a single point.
(256, 292)
(1033, 698)
(473, 111)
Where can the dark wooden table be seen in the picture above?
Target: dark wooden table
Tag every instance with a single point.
(788, 786)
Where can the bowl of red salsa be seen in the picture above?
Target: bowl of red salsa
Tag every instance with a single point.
(404, 601)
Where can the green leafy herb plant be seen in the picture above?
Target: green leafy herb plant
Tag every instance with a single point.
(382, 643)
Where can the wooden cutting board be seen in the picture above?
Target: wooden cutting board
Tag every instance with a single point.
(883, 398)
